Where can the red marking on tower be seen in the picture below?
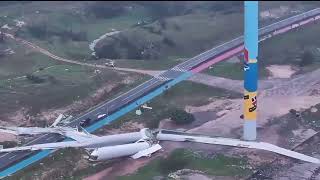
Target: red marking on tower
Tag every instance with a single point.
(246, 55)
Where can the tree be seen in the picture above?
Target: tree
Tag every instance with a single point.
(38, 30)
(1, 37)
(180, 116)
(163, 23)
(307, 58)
(34, 79)
(168, 42)
(159, 9)
(108, 9)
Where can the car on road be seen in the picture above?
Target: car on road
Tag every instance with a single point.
(85, 122)
(101, 116)
(109, 64)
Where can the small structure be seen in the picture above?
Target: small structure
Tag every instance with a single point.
(145, 106)
(19, 23)
(110, 63)
(6, 26)
(138, 112)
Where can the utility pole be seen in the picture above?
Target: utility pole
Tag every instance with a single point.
(250, 69)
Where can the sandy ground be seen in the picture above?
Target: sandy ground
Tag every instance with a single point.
(271, 108)
(17, 118)
(7, 137)
(274, 13)
(280, 71)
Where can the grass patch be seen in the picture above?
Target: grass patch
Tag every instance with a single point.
(55, 166)
(154, 36)
(64, 83)
(219, 165)
(232, 71)
(284, 49)
(312, 118)
(64, 19)
(22, 62)
(287, 48)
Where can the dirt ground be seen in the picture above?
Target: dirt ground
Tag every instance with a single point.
(7, 137)
(274, 13)
(281, 71)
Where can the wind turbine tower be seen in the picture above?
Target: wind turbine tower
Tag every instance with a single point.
(250, 69)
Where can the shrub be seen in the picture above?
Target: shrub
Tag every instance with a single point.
(109, 9)
(159, 10)
(9, 144)
(38, 30)
(307, 58)
(168, 42)
(163, 23)
(180, 116)
(177, 27)
(34, 79)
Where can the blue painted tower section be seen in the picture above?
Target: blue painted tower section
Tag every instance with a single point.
(250, 69)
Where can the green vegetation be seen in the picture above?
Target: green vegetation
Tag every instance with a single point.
(307, 58)
(105, 9)
(180, 116)
(34, 79)
(68, 31)
(218, 165)
(47, 167)
(294, 119)
(232, 71)
(290, 47)
(297, 47)
(151, 41)
(311, 117)
(8, 144)
(26, 75)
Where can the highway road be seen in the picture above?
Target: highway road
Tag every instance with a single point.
(132, 99)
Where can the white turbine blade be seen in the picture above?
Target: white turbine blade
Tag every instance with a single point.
(8, 130)
(44, 146)
(146, 107)
(236, 143)
(65, 131)
(59, 118)
(147, 152)
(25, 130)
(78, 136)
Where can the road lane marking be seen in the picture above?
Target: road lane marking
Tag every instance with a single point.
(110, 101)
(50, 138)
(12, 156)
(138, 91)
